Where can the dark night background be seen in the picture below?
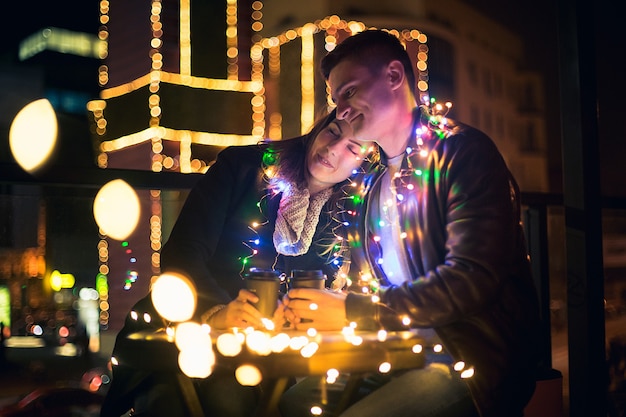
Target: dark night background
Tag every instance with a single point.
(535, 20)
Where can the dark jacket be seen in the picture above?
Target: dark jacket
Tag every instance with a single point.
(213, 239)
(213, 242)
(470, 271)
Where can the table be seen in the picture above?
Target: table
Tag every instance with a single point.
(398, 350)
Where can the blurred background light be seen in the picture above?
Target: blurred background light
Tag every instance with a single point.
(174, 297)
(116, 209)
(33, 134)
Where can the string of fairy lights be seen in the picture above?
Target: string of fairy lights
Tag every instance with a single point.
(432, 125)
(264, 52)
(198, 348)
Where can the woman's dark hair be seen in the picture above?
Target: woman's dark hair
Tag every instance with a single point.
(289, 155)
(373, 49)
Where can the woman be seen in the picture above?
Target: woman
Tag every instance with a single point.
(272, 206)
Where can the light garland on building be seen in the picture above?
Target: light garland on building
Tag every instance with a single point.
(266, 122)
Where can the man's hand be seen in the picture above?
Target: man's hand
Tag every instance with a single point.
(319, 309)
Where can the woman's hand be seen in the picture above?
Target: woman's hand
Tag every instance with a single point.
(238, 313)
(320, 309)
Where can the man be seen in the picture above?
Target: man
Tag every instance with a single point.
(440, 230)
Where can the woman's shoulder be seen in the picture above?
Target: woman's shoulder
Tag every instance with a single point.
(243, 151)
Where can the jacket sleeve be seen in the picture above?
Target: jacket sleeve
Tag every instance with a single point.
(194, 238)
(464, 228)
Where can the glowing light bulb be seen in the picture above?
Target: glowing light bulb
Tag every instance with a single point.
(248, 375)
(309, 349)
(33, 134)
(298, 342)
(191, 334)
(196, 362)
(174, 297)
(228, 344)
(332, 373)
(259, 342)
(116, 209)
(384, 367)
(280, 342)
(316, 410)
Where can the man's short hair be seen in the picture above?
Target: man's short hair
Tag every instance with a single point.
(373, 49)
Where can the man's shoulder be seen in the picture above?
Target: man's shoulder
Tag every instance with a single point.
(463, 135)
(456, 127)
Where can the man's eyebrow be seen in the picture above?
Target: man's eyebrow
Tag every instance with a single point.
(339, 89)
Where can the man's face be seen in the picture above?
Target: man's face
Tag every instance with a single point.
(363, 99)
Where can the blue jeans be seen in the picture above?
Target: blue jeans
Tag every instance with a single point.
(433, 391)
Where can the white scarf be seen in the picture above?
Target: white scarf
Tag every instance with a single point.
(297, 218)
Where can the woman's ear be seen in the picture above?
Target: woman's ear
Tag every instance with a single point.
(395, 74)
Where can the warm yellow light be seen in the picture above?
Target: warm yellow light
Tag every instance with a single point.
(191, 334)
(228, 344)
(116, 209)
(59, 280)
(259, 342)
(248, 375)
(280, 342)
(309, 350)
(468, 373)
(196, 362)
(384, 367)
(33, 134)
(298, 342)
(174, 297)
(316, 410)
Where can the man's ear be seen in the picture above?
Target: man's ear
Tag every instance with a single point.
(395, 74)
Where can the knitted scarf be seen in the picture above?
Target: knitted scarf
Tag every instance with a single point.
(297, 218)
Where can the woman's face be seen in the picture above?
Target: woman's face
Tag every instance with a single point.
(333, 156)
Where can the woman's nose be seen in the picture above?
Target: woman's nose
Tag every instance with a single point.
(333, 146)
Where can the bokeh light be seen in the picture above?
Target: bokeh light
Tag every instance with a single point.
(33, 134)
(248, 375)
(228, 344)
(196, 361)
(116, 209)
(174, 297)
(191, 334)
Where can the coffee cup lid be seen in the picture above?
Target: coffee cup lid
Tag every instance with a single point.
(262, 273)
(308, 273)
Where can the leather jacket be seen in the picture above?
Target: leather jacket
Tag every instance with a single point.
(470, 272)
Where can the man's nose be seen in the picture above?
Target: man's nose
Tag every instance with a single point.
(343, 110)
